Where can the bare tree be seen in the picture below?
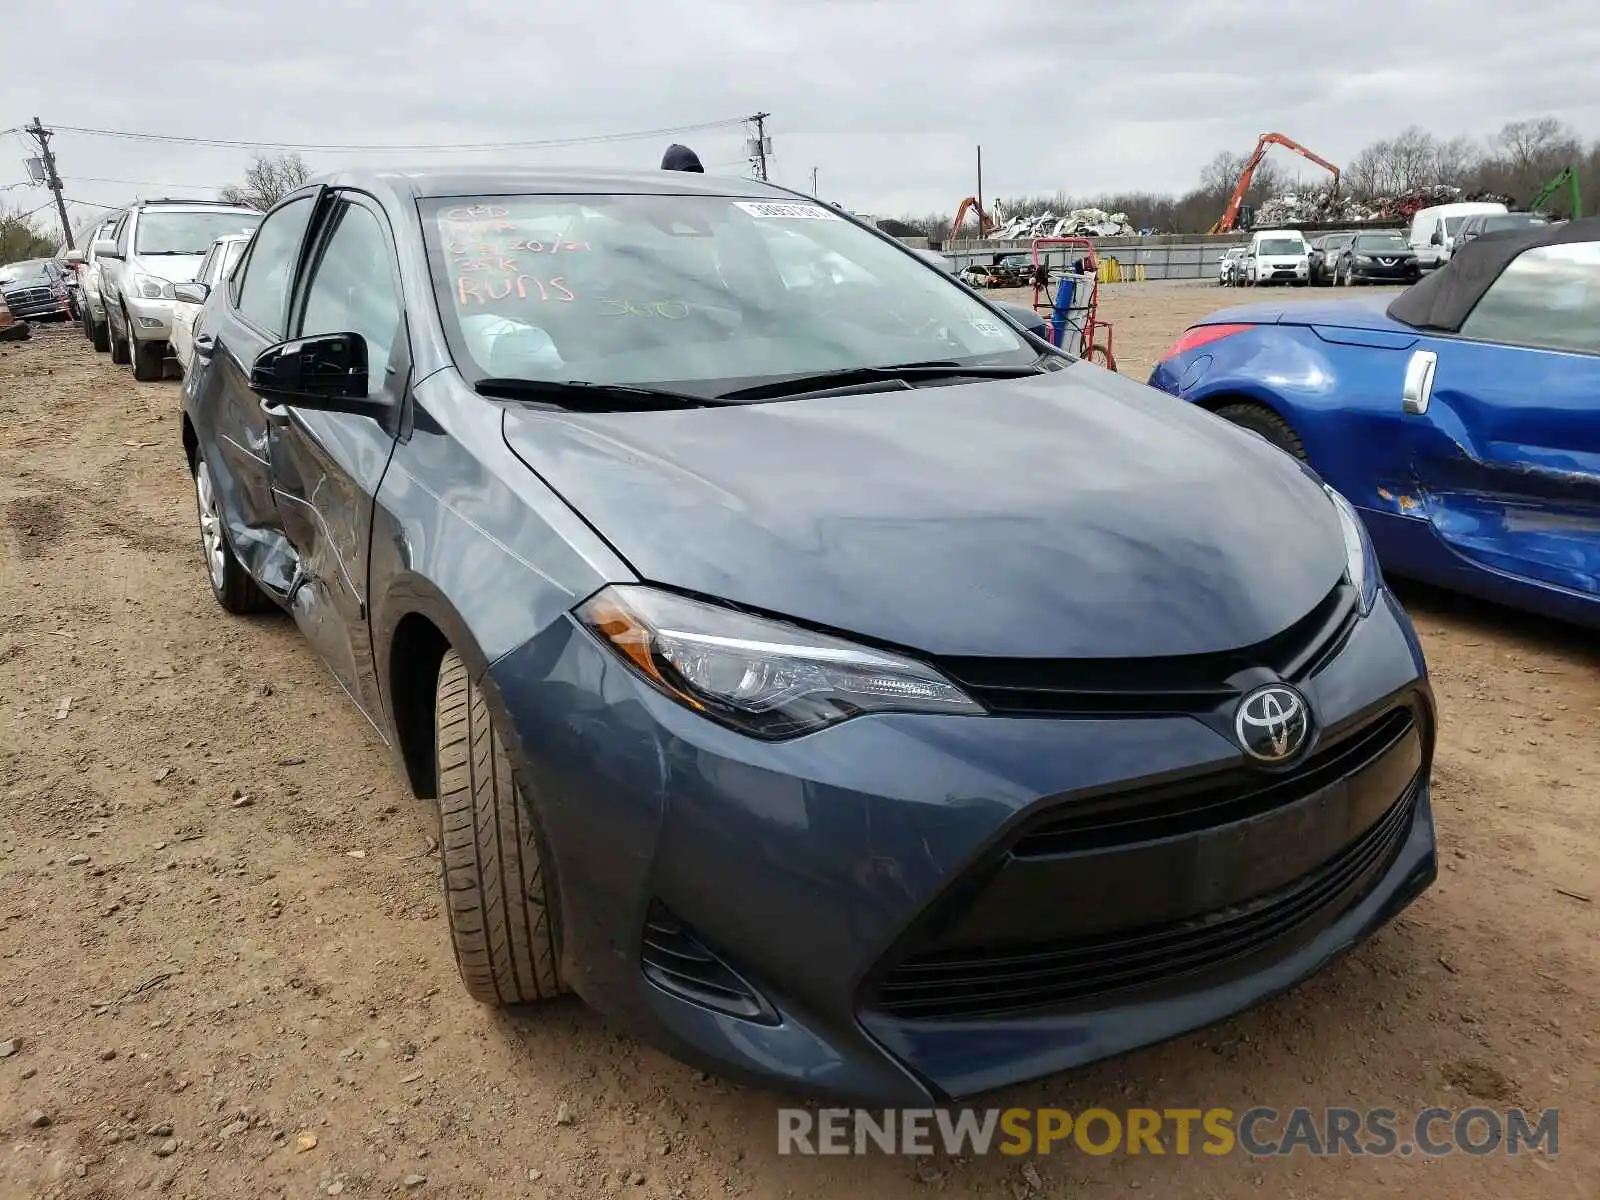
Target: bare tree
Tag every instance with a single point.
(1455, 159)
(1526, 143)
(267, 180)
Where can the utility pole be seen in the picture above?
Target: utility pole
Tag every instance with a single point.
(980, 192)
(52, 180)
(813, 181)
(759, 146)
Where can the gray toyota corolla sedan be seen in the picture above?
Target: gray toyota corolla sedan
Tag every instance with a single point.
(816, 673)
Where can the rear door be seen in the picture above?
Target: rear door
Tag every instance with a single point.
(326, 466)
(1506, 449)
(229, 419)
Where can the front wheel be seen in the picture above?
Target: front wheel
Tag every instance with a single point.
(496, 888)
(121, 344)
(230, 582)
(1262, 420)
(149, 360)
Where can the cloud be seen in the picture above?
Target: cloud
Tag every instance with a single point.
(887, 99)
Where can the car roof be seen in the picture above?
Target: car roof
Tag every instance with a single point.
(201, 205)
(430, 182)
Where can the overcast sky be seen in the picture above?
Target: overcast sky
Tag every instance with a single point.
(886, 99)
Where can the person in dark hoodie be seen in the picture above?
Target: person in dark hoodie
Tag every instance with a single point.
(681, 158)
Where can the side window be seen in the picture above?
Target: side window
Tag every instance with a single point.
(352, 288)
(124, 229)
(1548, 298)
(261, 287)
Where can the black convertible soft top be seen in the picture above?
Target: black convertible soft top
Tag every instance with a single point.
(1443, 300)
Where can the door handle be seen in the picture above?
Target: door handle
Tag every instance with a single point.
(204, 345)
(275, 413)
(1418, 387)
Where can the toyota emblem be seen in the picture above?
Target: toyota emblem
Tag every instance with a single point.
(1272, 723)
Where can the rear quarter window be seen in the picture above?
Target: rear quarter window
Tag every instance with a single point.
(1547, 298)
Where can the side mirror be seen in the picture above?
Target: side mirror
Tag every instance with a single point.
(1436, 240)
(191, 293)
(328, 371)
(74, 257)
(105, 248)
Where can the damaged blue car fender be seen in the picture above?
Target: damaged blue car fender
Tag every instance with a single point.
(1462, 420)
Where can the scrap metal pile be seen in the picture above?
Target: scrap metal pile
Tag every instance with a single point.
(1080, 222)
(1309, 207)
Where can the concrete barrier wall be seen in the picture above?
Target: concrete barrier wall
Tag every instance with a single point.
(1163, 256)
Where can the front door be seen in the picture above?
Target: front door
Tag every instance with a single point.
(326, 466)
(230, 423)
(1505, 443)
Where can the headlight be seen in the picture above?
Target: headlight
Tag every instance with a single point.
(762, 677)
(152, 288)
(1364, 258)
(1361, 563)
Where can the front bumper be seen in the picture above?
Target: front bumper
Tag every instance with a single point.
(1386, 274)
(849, 878)
(37, 304)
(150, 320)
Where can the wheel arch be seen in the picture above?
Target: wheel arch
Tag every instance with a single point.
(418, 626)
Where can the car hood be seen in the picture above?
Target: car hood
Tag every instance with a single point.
(1075, 515)
(1364, 312)
(174, 268)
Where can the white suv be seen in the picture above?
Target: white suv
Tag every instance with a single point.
(156, 244)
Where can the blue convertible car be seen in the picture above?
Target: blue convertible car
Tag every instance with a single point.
(1461, 418)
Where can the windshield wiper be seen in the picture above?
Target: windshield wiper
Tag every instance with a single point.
(158, 253)
(592, 397)
(906, 372)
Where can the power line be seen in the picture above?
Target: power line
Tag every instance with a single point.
(137, 182)
(450, 148)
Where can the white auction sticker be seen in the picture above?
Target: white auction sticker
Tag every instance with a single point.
(987, 328)
(805, 212)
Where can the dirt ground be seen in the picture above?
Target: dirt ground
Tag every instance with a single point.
(223, 970)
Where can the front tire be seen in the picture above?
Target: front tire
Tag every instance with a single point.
(1260, 419)
(121, 344)
(497, 892)
(149, 360)
(230, 582)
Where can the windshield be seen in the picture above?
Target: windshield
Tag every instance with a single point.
(188, 231)
(1382, 243)
(1282, 246)
(694, 291)
(33, 268)
(1511, 221)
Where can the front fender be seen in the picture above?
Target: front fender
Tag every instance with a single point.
(1340, 393)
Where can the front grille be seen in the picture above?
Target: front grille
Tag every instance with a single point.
(964, 983)
(674, 958)
(1156, 686)
(1217, 799)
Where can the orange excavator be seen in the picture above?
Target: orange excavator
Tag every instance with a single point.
(1230, 215)
(985, 225)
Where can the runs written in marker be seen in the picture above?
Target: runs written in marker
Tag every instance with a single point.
(487, 257)
(482, 289)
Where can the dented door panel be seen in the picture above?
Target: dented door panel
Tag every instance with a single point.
(326, 468)
(232, 432)
(1506, 460)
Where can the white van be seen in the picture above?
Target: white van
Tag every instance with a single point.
(1433, 230)
(1276, 256)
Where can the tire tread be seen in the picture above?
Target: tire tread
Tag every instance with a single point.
(495, 887)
